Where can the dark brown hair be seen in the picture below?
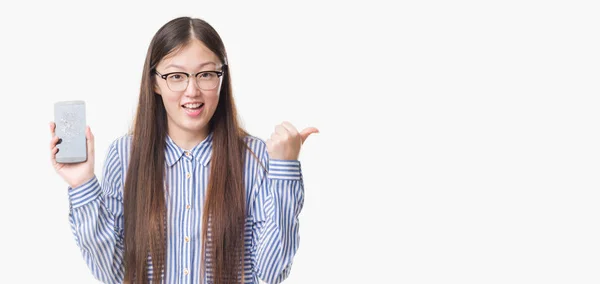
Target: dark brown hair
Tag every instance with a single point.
(144, 193)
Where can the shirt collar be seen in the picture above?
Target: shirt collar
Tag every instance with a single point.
(200, 152)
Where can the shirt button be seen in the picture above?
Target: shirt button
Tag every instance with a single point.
(186, 271)
(188, 207)
(187, 153)
(187, 239)
(188, 175)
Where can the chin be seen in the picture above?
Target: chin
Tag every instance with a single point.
(195, 127)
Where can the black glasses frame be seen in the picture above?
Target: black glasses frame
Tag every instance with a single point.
(188, 75)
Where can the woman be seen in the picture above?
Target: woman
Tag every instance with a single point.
(188, 195)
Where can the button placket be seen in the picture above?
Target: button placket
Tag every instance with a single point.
(189, 169)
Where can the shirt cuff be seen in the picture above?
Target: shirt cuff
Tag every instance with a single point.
(284, 169)
(84, 193)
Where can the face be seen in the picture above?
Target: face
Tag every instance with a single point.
(189, 110)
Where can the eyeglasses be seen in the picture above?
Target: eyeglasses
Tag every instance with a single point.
(205, 80)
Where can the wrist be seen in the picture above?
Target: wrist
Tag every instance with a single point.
(79, 182)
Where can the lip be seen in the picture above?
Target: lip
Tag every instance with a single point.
(193, 112)
(191, 103)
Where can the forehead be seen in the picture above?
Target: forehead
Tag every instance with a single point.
(190, 55)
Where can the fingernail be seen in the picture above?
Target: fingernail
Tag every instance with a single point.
(59, 141)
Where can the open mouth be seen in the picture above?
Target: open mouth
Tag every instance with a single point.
(193, 106)
(193, 109)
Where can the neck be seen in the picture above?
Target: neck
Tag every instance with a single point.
(187, 139)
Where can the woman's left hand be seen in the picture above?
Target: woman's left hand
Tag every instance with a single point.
(286, 141)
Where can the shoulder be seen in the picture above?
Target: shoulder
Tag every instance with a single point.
(253, 140)
(119, 150)
(256, 151)
(116, 159)
(121, 145)
(256, 145)
(256, 159)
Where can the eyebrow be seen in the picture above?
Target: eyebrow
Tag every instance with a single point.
(199, 66)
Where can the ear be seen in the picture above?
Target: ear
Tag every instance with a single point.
(157, 89)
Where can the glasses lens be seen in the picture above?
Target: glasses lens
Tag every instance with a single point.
(207, 80)
(177, 82)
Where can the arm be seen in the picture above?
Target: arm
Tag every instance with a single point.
(279, 200)
(96, 217)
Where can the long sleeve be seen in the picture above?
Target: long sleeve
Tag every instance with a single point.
(96, 217)
(279, 200)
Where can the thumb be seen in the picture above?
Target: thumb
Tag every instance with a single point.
(308, 131)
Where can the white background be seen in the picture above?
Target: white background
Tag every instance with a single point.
(459, 140)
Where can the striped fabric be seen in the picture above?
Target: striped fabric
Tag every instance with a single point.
(274, 199)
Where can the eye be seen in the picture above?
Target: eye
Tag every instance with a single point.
(207, 75)
(176, 77)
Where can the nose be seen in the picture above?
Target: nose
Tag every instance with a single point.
(192, 88)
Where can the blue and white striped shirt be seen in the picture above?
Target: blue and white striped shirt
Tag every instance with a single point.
(274, 199)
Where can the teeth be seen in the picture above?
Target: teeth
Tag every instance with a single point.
(192, 105)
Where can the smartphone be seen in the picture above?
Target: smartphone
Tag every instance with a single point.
(69, 117)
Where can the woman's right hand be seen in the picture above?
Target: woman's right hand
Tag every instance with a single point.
(74, 174)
